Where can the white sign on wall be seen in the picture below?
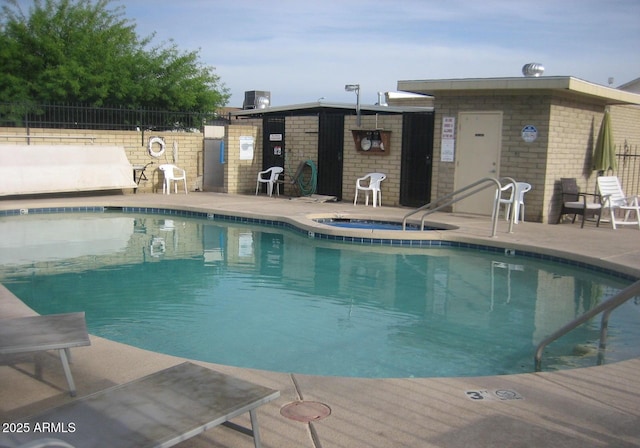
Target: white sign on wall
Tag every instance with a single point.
(529, 133)
(246, 147)
(448, 141)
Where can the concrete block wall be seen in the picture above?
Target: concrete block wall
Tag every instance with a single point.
(301, 145)
(135, 143)
(625, 121)
(567, 133)
(522, 161)
(572, 138)
(358, 163)
(240, 175)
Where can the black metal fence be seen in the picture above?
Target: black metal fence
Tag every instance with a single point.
(628, 171)
(69, 116)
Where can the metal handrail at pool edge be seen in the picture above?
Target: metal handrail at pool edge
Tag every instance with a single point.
(605, 308)
(475, 187)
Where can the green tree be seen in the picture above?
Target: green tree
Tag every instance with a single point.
(83, 51)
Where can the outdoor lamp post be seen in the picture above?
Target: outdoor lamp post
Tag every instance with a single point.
(355, 88)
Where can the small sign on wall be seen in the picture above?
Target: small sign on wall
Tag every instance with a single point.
(246, 147)
(529, 133)
(448, 141)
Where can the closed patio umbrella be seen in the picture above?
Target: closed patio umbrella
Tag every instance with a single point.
(604, 153)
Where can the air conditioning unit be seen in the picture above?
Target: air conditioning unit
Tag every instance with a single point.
(256, 99)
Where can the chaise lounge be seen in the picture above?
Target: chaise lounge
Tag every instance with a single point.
(159, 410)
(20, 335)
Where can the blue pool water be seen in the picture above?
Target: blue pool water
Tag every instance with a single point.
(351, 223)
(269, 298)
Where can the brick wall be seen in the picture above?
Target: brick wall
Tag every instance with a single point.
(522, 161)
(189, 149)
(575, 127)
(358, 163)
(567, 131)
(301, 145)
(625, 121)
(240, 175)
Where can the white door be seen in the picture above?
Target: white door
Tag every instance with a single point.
(479, 139)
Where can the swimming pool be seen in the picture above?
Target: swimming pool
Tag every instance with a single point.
(268, 297)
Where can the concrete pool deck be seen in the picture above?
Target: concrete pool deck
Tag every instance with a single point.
(588, 407)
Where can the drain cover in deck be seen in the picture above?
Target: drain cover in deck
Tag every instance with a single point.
(305, 411)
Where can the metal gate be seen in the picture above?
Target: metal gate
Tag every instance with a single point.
(273, 142)
(213, 174)
(417, 155)
(330, 148)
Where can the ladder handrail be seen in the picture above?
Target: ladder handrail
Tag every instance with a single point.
(476, 187)
(605, 307)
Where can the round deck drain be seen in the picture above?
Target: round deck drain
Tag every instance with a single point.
(305, 411)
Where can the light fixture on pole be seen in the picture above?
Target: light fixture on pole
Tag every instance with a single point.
(355, 88)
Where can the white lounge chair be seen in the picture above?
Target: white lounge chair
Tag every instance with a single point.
(271, 177)
(614, 199)
(373, 186)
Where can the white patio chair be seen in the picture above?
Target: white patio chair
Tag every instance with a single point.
(614, 199)
(174, 174)
(515, 200)
(270, 177)
(375, 179)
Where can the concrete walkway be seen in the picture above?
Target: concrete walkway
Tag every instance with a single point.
(589, 407)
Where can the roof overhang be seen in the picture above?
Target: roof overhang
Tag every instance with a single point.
(522, 85)
(320, 106)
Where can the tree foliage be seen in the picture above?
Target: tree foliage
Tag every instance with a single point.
(84, 51)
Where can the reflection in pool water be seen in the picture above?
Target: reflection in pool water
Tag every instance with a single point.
(274, 299)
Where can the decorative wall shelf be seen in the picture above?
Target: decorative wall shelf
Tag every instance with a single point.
(372, 141)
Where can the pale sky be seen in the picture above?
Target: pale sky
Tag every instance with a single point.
(303, 50)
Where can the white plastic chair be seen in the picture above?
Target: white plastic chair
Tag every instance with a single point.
(270, 177)
(175, 174)
(515, 199)
(375, 179)
(613, 198)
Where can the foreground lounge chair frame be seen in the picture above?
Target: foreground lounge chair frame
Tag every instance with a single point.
(30, 334)
(159, 410)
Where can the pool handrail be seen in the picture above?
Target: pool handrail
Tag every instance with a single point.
(451, 198)
(605, 308)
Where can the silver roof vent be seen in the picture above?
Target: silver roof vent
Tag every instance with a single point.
(533, 70)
